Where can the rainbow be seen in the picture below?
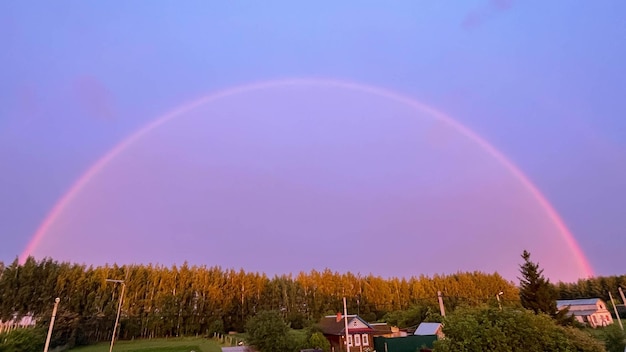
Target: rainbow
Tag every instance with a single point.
(67, 198)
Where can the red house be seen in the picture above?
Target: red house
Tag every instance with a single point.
(360, 333)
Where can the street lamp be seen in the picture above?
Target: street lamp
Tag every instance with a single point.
(54, 314)
(498, 298)
(119, 309)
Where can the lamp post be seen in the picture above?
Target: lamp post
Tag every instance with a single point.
(345, 313)
(498, 298)
(119, 309)
(54, 314)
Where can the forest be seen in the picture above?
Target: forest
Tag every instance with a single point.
(185, 300)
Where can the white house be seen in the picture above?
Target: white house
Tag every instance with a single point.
(590, 311)
(16, 322)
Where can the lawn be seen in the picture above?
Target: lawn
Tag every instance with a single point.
(183, 344)
(598, 333)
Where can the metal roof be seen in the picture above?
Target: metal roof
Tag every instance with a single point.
(577, 302)
(427, 329)
(583, 313)
(237, 349)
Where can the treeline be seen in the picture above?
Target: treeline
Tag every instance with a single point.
(198, 300)
(596, 287)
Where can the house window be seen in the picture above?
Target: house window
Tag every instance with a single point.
(349, 340)
(357, 340)
(366, 340)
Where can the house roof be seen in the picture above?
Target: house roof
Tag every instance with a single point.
(427, 329)
(577, 302)
(237, 349)
(330, 325)
(381, 328)
(583, 313)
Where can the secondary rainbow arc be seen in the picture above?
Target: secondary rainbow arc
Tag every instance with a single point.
(94, 169)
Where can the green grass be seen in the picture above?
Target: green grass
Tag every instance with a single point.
(598, 332)
(182, 344)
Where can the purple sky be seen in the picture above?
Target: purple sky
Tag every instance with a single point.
(286, 179)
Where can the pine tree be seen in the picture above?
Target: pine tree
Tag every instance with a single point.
(536, 292)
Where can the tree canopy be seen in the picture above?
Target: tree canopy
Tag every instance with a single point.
(414, 315)
(510, 330)
(187, 300)
(22, 340)
(614, 338)
(267, 332)
(536, 292)
(318, 341)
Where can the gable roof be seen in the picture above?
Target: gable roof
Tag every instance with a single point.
(577, 302)
(583, 313)
(330, 325)
(427, 329)
(381, 328)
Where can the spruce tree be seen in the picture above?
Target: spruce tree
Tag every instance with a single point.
(539, 295)
(536, 292)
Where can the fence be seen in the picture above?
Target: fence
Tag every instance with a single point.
(403, 344)
(228, 340)
(15, 323)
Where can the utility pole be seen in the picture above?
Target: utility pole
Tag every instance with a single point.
(54, 314)
(119, 309)
(615, 308)
(345, 314)
(441, 307)
(498, 298)
(621, 293)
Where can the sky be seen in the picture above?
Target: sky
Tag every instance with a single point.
(374, 150)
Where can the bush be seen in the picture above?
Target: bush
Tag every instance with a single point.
(318, 341)
(268, 332)
(23, 340)
(614, 338)
(216, 326)
(509, 330)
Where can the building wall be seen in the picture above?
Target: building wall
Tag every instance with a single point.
(600, 319)
(360, 342)
(15, 323)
